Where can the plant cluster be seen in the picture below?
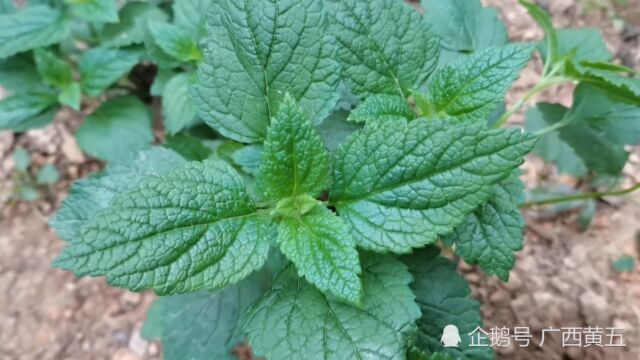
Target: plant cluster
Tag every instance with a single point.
(352, 139)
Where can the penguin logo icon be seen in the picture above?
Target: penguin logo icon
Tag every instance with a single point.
(450, 336)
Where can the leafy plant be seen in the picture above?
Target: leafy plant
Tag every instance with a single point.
(350, 140)
(27, 186)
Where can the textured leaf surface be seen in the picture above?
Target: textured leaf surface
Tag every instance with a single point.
(95, 10)
(255, 52)
(117, 130)
(469, 89)
(101, 67)
(175, 41)
(177, 106)
(443, 297)
(30, 28)
(551, 147)
(380, 108)
(610, 78)
(492, 233)
(88, 196)
(203, 325)
(321, 247)
(465, 25)
(294, 161)
(399, 186)
(179, 232)
(385, 47)
(294, 320)
(22, 112)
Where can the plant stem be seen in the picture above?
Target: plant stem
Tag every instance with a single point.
(583, 196)
(544, 84)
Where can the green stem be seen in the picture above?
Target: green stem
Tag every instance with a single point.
(544, 84)
(583, 196)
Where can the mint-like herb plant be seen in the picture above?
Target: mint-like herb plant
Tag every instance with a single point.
(316, 156)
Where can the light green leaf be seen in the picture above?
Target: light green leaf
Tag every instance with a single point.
(551, 147)
(249, 158)
(203, 325)
(400, 186)
(160, 81)
(471, 88)
(117, 130)
(381, 107)
(28, 193)
(30, 28)
(323, 251)
(294, 161)
(551, 36)
(21, 112)
(21, 159)
(101, 67)
(492, 232)
(189, 229)
(585, 43)
(255, 52)
(190, 147)
(95, 10)
(385, 47)
(71, 96)
(296, 321)
(443, 296)
(18, 74)
(53, 70)
(190, 15)
(131, 27)
(465, 26)
(88, 196)
(177, 107)
(48, 175)
(175, 41)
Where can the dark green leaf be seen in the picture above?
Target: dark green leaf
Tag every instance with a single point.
(134, 17)
(102, 67)
(95, 10)
(26, 111)
(190, 147)
(177, 107)
(381, 107)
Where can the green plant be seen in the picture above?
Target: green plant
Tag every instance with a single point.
(28, 187)
(355, 137)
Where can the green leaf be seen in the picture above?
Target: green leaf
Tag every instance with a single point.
(551, 147)
(88, 196)
(551, 36)
(379, 108)
(175, 41)
(203, 325)
(385, 46)
(160, 81)
(190, 147)
(443, 297)
(255, 52)
(294, 161)
(623, 264)
(48, 175)
(586, 44)
(118, 129)
(177, 106)
(190, 15)
(95, 10)
(30, 28)
(53, 70)
(188, 229)
(471, 88)
(608, 77)
(465, 25)
(294, 320)
(493, 232)
(7, 7)
(249, 158)
(400, 186)
(71, 96)
(323, 251)
(18, 74)
(21, 159)
(28, 193)
(335, 129)
(21, 112)
(102, 67)
(134, 17)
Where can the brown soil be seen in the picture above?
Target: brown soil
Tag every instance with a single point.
(562, 277)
